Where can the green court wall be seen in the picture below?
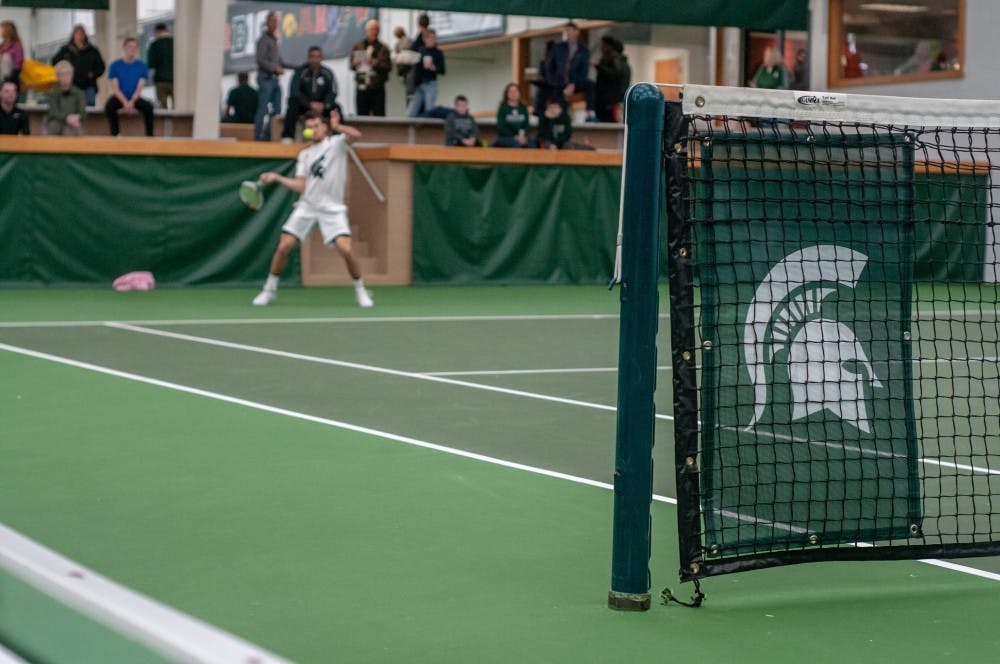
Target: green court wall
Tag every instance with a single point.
(86, 219)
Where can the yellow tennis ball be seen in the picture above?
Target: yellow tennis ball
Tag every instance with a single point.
(307, 134)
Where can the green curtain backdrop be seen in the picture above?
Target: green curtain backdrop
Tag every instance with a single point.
(514, 224)
(86, 219)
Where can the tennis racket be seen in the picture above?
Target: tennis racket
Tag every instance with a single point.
(251, 194)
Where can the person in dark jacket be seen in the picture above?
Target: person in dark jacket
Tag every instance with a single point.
(460, 128)
(313, 87)
(371, 63)
(431, 66)
(87, 62)
(609, 89)
(567, 67)
(160, 59)
(241, 102)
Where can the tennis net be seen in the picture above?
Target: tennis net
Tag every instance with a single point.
(834, 327)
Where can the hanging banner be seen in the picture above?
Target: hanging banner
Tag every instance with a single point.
(460, 26)
(300, 26)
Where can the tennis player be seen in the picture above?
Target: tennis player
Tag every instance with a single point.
(320, 172)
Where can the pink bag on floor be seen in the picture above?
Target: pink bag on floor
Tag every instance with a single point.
(142, 281)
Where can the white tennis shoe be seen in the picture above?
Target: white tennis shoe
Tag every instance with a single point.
(265, 298)
(364, 298)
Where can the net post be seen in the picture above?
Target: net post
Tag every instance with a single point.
(641, 209)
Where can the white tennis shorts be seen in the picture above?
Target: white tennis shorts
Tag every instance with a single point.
(331, 224)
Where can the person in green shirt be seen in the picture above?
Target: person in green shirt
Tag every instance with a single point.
(772, 74)
(512, 121)
(160, 59)
(67, 104)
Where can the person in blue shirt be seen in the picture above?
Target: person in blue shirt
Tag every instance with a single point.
(127, 76)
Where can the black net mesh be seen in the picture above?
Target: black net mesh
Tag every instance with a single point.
(845, 341)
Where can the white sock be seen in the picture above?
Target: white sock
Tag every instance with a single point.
(271, 283)
(359, 282)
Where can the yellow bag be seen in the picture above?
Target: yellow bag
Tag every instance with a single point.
(38, 76)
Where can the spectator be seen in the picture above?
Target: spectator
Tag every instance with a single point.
(423, 25)
(127, 76)
(544, 92)
(800, 70)
(87, 62)
(371, 64)
(555, 129)
(567, 67)
(405, 57)
(270, 67)
(67, 104)
(610, 87)
(11, 53)
(460, 127)
(241, 102)
(430, 66)
(771, 74)
(313, 86)
(13, 120)
(512, 120)
(160, 58)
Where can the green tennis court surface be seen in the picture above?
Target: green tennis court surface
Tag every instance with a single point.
(424, 481)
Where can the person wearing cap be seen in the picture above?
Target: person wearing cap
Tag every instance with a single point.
(567, 67)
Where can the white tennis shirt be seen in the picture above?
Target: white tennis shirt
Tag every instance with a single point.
(324, 166)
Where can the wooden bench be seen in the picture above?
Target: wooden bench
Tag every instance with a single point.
(167, 123)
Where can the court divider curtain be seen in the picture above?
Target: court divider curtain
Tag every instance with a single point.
(514, 224)
(86, 219)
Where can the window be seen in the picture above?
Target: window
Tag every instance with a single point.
(895, 41)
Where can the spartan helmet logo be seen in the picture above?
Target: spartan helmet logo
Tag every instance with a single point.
(827, 367)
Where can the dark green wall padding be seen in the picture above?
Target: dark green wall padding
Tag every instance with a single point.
(514, 224)
(86, 219)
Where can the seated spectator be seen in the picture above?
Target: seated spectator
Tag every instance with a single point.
(555, 129)
(87, 62)
(313, 87)
(513, 120)
(430, 66)
(241, 101)
(127, 75)
(13, 120)
(67, 104)
(460, 128)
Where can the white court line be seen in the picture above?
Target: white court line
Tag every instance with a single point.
(386, 435)
(365, 367)
(303, 416)
(517, 372)
(478, 386)
(350, 319)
